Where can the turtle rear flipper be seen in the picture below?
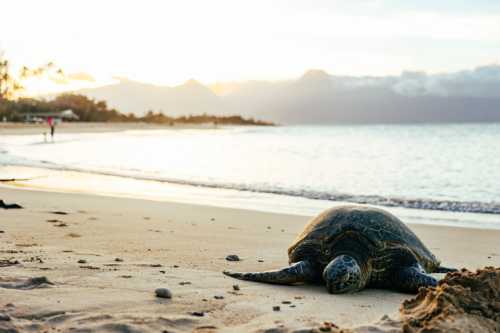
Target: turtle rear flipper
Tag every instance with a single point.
(300, 272)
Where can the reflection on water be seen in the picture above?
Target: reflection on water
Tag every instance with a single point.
(449, 167)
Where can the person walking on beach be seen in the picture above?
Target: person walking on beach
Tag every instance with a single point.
(52, 125)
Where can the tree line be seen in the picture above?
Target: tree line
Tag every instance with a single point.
(89, 110)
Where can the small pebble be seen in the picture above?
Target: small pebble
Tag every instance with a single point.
(118, 259)
(218, 297)
(286, 302)
(197, 314)
(184, 283)
(236, 287)
(260, 260)
(4, 317)
(58, 212)
(276, 308)
(232, 257)
(82, 261)
(163, 293)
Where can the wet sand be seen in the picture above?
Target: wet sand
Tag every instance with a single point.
(181, 247)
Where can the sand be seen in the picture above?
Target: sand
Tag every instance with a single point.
(8, 128)
(181, 247)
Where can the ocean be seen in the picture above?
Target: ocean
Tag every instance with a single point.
(440, 168)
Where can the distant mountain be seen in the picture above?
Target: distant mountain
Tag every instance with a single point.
(135, 97)
(318, 97)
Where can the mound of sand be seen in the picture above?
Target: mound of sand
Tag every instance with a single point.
(462, 302)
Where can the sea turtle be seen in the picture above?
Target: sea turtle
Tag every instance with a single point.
(352, 247)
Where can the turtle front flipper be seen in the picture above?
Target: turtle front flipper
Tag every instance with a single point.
(300, 272)
(442, 269)
(410, 279)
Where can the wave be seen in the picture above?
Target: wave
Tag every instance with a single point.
(377, 200)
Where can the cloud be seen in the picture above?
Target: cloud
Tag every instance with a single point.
(62, 79)
(82, 76)
(482, 81)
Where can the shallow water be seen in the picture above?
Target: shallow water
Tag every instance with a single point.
(439, 167)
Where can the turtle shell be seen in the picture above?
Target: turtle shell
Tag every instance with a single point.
(375, 230)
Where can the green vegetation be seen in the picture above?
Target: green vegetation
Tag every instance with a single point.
(89, 110)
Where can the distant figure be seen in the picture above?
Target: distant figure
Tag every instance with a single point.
(52, 125)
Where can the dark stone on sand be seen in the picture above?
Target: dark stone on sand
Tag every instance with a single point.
(82, 261)
(163, 293)
(182, 283)
(1, 231)
(286, 302)
(118, 259)
(219, 297)
(155, 265)
(9, 206)
(232, 257)
(276, 308)
(236, 287)
(197, 313)
(58, 212)
(4, 317)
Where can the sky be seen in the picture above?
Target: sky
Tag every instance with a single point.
(168, 42)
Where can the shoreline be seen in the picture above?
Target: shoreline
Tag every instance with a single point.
(100, 183)
(183, 247)
(10, 128)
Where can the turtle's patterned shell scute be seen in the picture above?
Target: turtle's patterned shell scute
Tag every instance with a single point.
(377, 229)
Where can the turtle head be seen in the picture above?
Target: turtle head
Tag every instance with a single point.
(343, 275)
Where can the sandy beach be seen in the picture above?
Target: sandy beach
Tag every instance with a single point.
(9, 128)
(107, 255)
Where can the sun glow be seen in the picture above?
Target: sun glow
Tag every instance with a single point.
(168, 42)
